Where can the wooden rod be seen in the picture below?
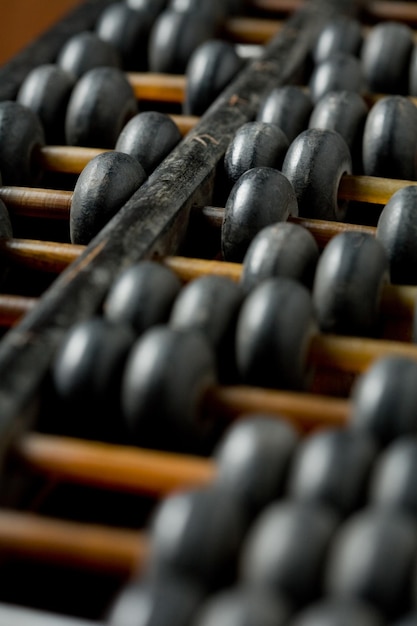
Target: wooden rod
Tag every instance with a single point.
(13, 308)
(72, 544)
(121, 468)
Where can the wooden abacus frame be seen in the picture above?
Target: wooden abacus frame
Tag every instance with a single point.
(152, 224)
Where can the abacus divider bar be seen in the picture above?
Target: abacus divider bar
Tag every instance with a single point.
(82, 546)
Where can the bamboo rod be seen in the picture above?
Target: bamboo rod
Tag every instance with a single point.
(72, 544)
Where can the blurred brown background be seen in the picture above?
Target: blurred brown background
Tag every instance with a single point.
(23, 20)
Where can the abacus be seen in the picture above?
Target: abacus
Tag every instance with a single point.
(264, 475)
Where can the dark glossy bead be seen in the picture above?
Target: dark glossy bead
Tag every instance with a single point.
(315, 163)
(174, 37)
(282, 249)
(102, 188)
(397, 231)
(331, 612)
(274, 328)
(393, 483)
(288, 107)
(210, 304)
(21, 135)
(127, 30)
(166, 377)
(350, 274)
(390, 139)
(341, 34)
(141, 603)
(384, 399)
(385, 56)
(345, 112)
(241, 606)
(215, 9)
(142, 296)
(86, 377)
(149, 137)
(6, 232)
(340, 72)
(101, 104)
(84, 51)
(46, 90)
(332, 467)
(371, 558)
(285, 550)
(260, 197)
(408, 620)
(197, 534)
(153, 7)
(255, 144)
(209, 70)
(412, 88)
(252, 459)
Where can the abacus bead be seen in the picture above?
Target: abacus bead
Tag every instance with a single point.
(285, 549)
(210, 68)
(127, 30)
(386, 56)
(341, 34)
(393, 479)
(207, 304)
(289, 107)
(149, 137)
(408, 620)
(274, 328)
(314, 164)
(6, 232)
(255, 144)
(84, 51)
(21, 135)
(332, 467)
(282, 249)
(104, 185)
(252, 459)
(141, 603)
(371, 559)
(331, 612)
(240, 606)
(384, 399)
(260, 197)
(46, 90)
(345, 112)
(86, 376)
(339, 72)
(390, 139)
(142, 296)
(101, 104)
(196, 534)
(166, 376)
(174, 37)
(153, 7)
(412, 90)
(347, 286)
(215, 9)
(397, 231)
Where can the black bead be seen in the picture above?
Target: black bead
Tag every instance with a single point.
(340, 72)
(252, 459)
(282, 249)
(371, 559)
(260, 197)
(142, 296)
(350, 274)
(46, 90)
(397, 231)
(84, 51)
(341, 34)
(315, 163)
(149, 137)
(275, 324)
(332, 612)
(104, 185)
(255, 144)
(101, 103)
(209, 70)
(384, 399)
(289, 107)
(165, 379)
